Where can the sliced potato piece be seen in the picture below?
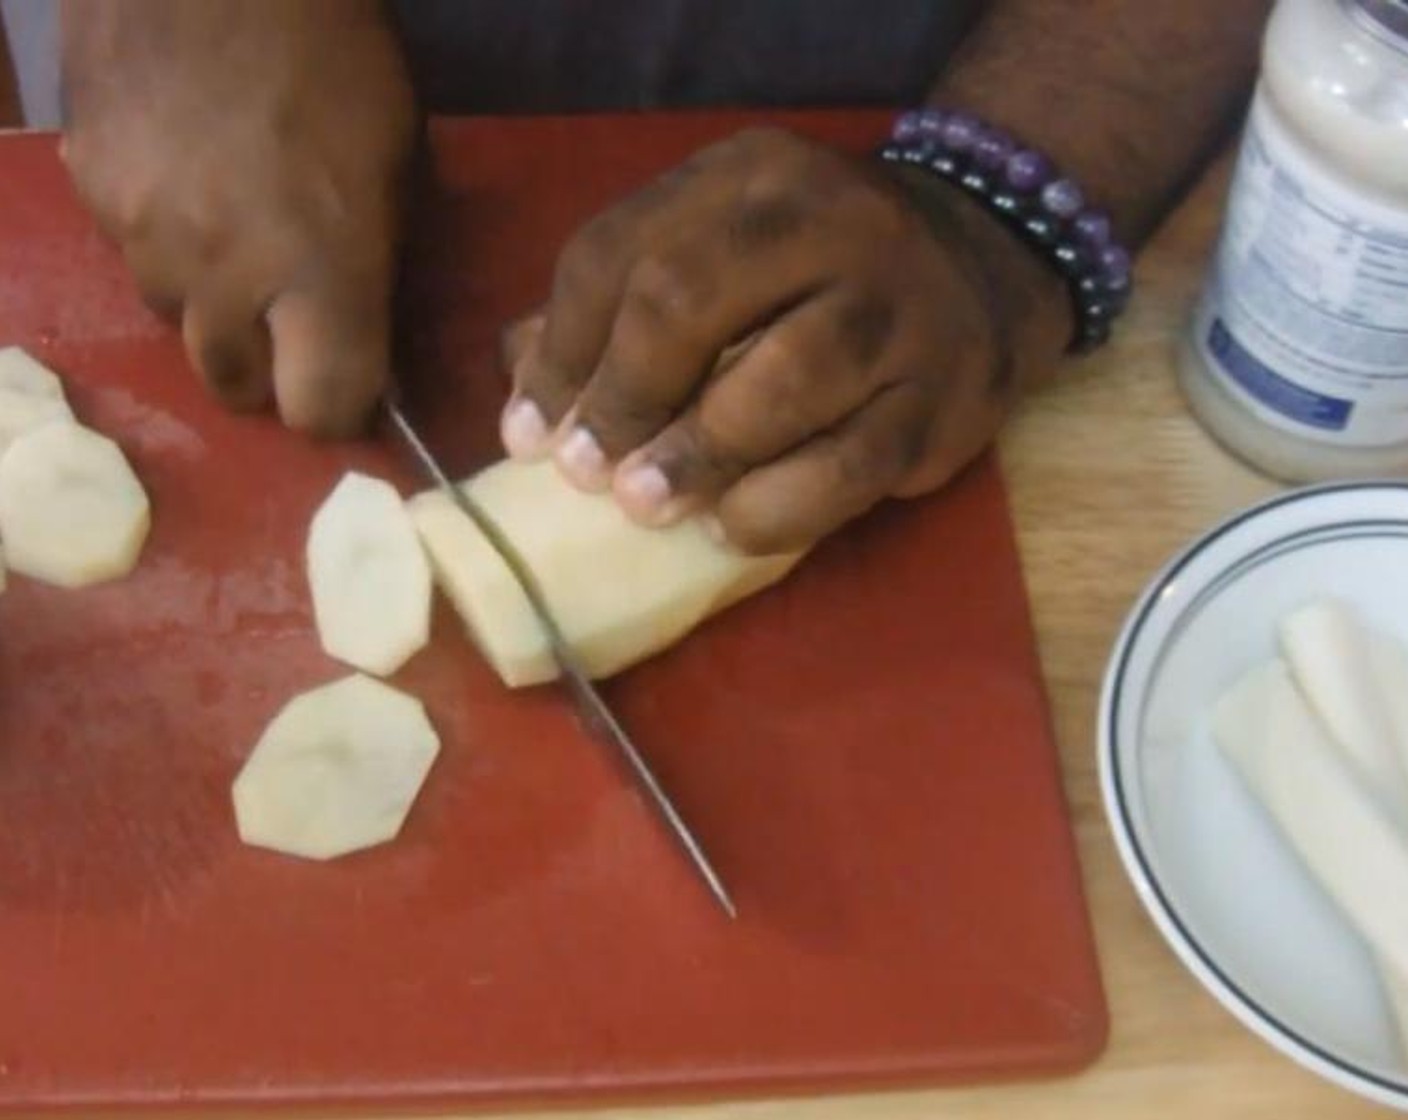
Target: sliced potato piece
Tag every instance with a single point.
(30, 396)
(20, 373)
(369, 575)
(1332, 656)
(23, 412)
(618, 591)
(336, 770)
(72, 512)
(1335, 825)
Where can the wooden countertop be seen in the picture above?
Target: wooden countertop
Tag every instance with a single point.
(1109, 475)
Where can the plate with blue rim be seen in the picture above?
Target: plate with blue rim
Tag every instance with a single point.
(1227, 894)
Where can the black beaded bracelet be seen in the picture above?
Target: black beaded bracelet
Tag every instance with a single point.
(1042, 207)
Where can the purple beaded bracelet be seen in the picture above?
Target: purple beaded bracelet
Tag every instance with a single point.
(1023, 188)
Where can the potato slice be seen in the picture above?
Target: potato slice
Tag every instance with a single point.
(618, 591)
(30, 396)
(72, 512)
(23, 412)
(20, 373)
(369, 575)
(336, 770)
(1335, 825)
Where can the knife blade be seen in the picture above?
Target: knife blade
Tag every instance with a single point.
(592, 707)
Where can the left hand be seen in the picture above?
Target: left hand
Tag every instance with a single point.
(775, 331)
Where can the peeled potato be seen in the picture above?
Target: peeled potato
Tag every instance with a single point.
(72, 513)
(1335, 825)
(369, 575)
(30, 396)
(1335, 660)
(1356, 679)
(618, 591)
(335, 771)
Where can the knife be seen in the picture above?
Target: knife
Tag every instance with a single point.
(596, 714)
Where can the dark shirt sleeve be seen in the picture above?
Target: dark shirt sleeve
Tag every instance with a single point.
(507, 56)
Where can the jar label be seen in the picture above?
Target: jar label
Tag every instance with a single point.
(1305, 316)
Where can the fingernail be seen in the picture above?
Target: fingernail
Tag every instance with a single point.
(645, 493)
(523, 430)
(582, 460)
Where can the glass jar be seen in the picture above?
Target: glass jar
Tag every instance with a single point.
(1297, 355)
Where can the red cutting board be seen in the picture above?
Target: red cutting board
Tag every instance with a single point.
(864, 750)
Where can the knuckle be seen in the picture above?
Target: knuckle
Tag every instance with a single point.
(791, 365)
(210, 241)
(779, 395)
(887, 452)
(582, 260)
(618, 411)
(670, 291)
(552, 386)
(710, 457)
(862, 466)
(765, 220)
(751, 535)
(696, 463)
(911, 444)
(864, 324)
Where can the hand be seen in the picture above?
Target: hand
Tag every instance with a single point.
(776, 331)
(248, 160)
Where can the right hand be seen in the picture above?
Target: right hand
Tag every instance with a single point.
(249, 160)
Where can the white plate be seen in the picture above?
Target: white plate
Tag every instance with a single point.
(1226, 893)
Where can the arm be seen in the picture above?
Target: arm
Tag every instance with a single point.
(881, 360)
(1130, 98)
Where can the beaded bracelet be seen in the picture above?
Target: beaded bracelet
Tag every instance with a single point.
(1024, 189)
